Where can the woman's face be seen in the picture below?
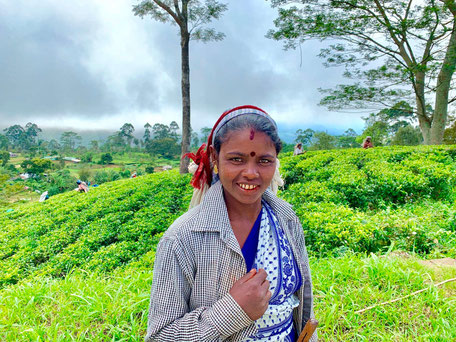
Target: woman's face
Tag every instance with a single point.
(246, 164)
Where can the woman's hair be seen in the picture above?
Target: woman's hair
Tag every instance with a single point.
(256, 122)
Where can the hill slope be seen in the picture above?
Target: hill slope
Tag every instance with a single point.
(101, 230)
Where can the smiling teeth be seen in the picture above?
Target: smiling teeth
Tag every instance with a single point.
(247, 186)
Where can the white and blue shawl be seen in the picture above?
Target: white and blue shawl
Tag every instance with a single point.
(275, 256)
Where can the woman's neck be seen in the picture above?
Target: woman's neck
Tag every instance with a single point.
(239, 211)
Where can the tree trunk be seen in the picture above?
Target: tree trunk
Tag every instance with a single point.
(185, 145)
(443, 88)
(425, 124)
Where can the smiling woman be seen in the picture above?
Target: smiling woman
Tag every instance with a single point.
(235, 266)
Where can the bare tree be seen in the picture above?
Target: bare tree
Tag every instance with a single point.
(190, 16)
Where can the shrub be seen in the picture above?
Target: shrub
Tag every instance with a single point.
(105, 158)
(85, 174)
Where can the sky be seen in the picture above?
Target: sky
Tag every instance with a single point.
(92, 64)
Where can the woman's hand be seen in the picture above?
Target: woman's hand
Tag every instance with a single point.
(252, 293)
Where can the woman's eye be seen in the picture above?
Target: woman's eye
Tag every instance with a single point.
(236, 160)
(265, 161)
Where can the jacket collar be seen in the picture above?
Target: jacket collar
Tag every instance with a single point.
(213, 214)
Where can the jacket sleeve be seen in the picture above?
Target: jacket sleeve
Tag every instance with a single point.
(307, 280)
(170, 318)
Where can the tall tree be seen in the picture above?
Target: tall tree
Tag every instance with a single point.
(406, 42)
(205, 131)
(348, 139)
(160, 131)
(304, 137)
(16, 136)
(323, 141)
(191, 16)
(3, 142)
(32, 130)
(126, 132)
(94, 145)
(173, 128)
(146, 136)
(69, 139)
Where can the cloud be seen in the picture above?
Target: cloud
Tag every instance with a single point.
(95, 64)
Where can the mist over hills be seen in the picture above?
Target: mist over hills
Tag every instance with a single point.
(286, 132)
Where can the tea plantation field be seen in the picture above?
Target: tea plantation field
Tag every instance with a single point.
(79, 266)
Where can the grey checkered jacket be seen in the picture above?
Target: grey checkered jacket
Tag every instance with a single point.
(197, 262)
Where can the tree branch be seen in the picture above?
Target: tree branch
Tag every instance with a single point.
(169, 10)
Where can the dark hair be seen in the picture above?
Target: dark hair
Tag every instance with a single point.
(257, 122)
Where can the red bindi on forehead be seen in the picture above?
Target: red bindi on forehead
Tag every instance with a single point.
(252, 134)
(252, 154)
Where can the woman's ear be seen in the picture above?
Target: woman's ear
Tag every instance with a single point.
(213, 153)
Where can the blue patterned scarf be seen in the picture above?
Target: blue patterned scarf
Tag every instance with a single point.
(275, 256)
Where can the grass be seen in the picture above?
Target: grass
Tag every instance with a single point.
(87, 306)
(81, 307)
(345, 285)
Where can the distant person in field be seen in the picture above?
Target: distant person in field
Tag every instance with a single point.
(367, 143)
(134, 175)
(82, 186)
(298, 149)
(235, 266)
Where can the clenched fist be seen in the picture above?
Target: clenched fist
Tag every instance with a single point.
(252, 293)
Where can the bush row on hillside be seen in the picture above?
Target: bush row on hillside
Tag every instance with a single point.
(330, 228)
(365, 201)
(374, 178)
(103, 229)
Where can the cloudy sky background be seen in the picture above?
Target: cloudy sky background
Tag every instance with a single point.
(93, 65)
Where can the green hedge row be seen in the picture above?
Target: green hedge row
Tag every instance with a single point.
(103, 229)
(375, 178)
(359, 200)
(368, 200)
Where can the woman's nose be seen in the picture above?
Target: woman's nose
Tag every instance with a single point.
(251, 170)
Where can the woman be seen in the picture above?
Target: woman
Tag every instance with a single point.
(367, 143)
(297, 149)
(234, 267)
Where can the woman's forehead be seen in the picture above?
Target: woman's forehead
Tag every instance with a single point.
(248, 138)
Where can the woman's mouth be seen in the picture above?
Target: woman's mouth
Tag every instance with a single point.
(247, 186)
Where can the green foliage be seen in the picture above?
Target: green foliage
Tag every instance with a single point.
(36, 165)
(378, 70)
(106, 158)
(20, 137)
(104, 229)
(407, 136)
(104, 176)
(304, 137)
(365, 200)
(85, 175)
(379, 132)
(4, 157)
(61, 181)
(69, 140)
(323, 141)
(149, 169)
(165, 147)
(87, 157)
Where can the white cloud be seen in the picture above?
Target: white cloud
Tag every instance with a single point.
(93, 64)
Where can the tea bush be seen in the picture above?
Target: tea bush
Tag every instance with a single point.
(367, 200)
(347, 200)
(103, 229)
